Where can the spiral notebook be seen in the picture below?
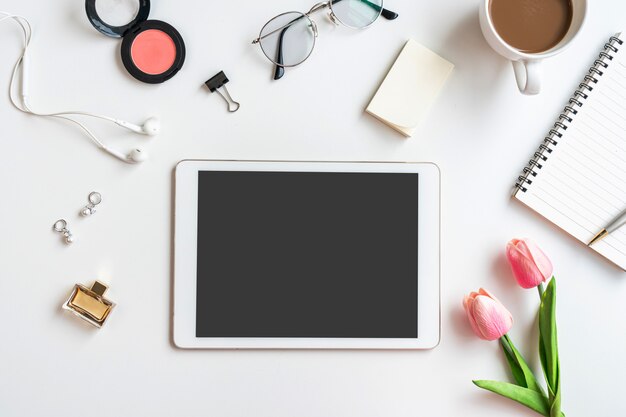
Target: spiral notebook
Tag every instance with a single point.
(577, 177)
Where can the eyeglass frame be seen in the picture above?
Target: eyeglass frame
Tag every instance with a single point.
(280, 68)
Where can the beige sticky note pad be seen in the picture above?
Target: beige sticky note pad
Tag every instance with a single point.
(410, 87)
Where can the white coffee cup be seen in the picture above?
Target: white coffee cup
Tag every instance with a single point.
(527, 66)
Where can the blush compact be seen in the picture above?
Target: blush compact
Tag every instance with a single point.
(152, 51)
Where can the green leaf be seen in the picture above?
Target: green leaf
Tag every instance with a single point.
(555, 410)
(531, 399)
(544, 361)
(516, 369)
(548, 347)
(547, 334)
(522, 373)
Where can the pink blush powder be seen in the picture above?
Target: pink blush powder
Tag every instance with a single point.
(153, 51)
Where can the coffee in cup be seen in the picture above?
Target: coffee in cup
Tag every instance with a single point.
(528, 31)
(531, 26)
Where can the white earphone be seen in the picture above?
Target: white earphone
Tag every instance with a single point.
(135, 156)
(150, 126)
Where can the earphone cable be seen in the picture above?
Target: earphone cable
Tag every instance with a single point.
(25, 108)
(27, 29)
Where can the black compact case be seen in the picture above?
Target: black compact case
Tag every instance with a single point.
(160, 58)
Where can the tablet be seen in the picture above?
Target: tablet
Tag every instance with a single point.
(306, 255)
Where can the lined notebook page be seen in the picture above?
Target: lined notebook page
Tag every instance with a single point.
(581, 187)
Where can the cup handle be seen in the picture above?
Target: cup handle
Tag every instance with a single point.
(528, 76)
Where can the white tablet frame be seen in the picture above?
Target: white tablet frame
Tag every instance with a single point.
(185, 247)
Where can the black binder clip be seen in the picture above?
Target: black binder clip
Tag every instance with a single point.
(218, 81)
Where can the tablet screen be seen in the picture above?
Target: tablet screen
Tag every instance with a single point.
(307, 255)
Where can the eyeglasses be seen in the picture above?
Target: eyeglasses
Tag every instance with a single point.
(288, 39)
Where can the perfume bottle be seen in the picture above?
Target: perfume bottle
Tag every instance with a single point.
(89, 303)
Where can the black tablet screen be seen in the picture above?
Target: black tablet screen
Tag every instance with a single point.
(307, 254)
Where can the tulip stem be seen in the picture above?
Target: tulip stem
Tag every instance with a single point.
(541, 290)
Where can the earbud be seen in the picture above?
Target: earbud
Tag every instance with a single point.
(133, 157)
(137, 155)
(150, 127)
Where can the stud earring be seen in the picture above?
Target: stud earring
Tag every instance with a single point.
(60, 226)
(94, 199)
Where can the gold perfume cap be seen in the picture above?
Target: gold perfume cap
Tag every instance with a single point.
(99, 288)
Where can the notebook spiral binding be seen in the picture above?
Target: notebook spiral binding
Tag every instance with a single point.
(576, 101)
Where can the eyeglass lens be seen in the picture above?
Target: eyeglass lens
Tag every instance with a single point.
(288, 39)
(356, 13)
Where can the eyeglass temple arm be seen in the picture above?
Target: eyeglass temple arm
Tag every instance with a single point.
(279, 70)
(386, 13)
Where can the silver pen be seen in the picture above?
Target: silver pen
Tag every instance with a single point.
(618, 222)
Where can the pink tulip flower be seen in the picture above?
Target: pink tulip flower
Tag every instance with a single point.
(530, 265)
(489, 319)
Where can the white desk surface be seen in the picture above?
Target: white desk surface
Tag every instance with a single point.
(481, 132)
